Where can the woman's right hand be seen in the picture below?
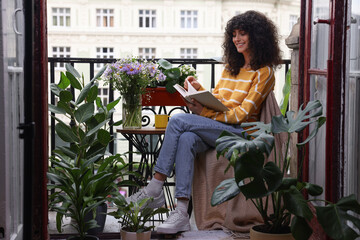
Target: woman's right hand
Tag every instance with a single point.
(192, 80)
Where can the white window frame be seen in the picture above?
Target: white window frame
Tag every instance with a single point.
(62, 16)
(104, 17)
(147, 18)
(61, 52)
(103, 93)
(100, 53)
(188, 52)
(147, 53)
(189, 19)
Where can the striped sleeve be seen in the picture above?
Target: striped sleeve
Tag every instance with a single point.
(260, 86)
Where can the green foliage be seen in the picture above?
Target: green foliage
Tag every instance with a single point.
(266, 182)
(286, 93)
(135, 215)
(83, 175)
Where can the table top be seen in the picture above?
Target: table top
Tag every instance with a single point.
(143, 130)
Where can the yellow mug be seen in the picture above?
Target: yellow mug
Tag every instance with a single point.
(161, 120)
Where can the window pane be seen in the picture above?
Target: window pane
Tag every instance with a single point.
(147, 22)
(55, 23)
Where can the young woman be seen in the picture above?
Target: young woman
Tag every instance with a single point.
(251, 53)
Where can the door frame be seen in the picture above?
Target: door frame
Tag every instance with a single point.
(336, 79)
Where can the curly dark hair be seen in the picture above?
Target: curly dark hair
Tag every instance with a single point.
(263, 42)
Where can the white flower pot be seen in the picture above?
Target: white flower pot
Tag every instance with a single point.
(135, 236)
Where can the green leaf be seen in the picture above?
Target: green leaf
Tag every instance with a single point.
(72, 70)
(104, 137)
(55, 89)
(84, 93)
(259, 127)
(64, 81)
(251, 166)
(99, 103)
(334, 218)
(92, 93)
(320, 121)
(286, 93)
(164, 64)
(74, 82)
(96, 128)
(99, 73)
(65, 96)
(67, 151)
(65, 133)
(313, 189)
(84, 112)
(56, 109)
(226, 190)
(173, 73)
(287, 183)
(228, 142)
(300, 228)
(112, 104)
(295, 203)
(64, 106)
(292, 124)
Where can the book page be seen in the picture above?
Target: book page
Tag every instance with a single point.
(191, 89)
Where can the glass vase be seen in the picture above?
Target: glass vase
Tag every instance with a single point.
(131, 112)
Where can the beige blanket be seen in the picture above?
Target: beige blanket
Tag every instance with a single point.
(237, 214)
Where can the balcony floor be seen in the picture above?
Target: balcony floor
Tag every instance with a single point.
(112, 226)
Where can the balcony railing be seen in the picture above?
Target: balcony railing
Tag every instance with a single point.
(91, 62)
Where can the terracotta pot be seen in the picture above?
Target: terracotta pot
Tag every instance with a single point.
(135, 236)
(160, 97)
(256, 235)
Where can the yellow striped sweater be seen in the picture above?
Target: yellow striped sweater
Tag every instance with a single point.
(243, 94)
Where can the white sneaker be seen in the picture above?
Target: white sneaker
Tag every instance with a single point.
(177, 222)
(157, 202)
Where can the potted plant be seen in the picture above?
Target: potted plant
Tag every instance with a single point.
(267, 185)
(82, 175)
(135, 218)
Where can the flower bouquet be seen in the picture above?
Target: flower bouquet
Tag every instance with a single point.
(130, 76)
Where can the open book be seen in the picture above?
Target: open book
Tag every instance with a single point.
(204, 97)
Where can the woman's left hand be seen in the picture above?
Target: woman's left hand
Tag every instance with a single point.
(195, 106)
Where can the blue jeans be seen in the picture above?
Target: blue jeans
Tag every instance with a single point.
(185, 136)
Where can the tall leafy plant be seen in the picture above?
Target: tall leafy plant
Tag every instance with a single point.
(267, 184)
(83, 174)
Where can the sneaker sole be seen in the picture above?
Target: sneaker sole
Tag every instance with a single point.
(173, 231)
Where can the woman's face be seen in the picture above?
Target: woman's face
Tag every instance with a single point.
(241, 41)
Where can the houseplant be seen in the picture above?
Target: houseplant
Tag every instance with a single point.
(130, 76)
(135, 217)
(172, 75)
(82, 174)
(267, 185)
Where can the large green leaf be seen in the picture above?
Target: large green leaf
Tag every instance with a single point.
(93, 93)
(84, 93)
(99, 73)
(286, 93)
(292, 124)
(65, 133)
(64, 81)
(112, 104)
(55, 89)
(65, 96)
(74, 82)
(84, 112)
(334, 218)
(165, 64)
(228, 142)
(104, 137)
(263, 179)
(300, 228)
(56, 109)
(96, 128)
(72, 70)
(226, 190)
(295, 203)
(173, 73)
(319, 122)
(258, 127)
(65, 106)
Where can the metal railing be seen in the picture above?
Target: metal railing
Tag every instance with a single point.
(92, 61)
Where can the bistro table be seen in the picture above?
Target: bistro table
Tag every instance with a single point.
(147, 142)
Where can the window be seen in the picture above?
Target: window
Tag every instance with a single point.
(105, 17)
(147, 53)
(292, 21)
(147, 18)
(61, 17)
(189, 19)
(103, 93)
(188, 52)
(104, 52)
(60, 52)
